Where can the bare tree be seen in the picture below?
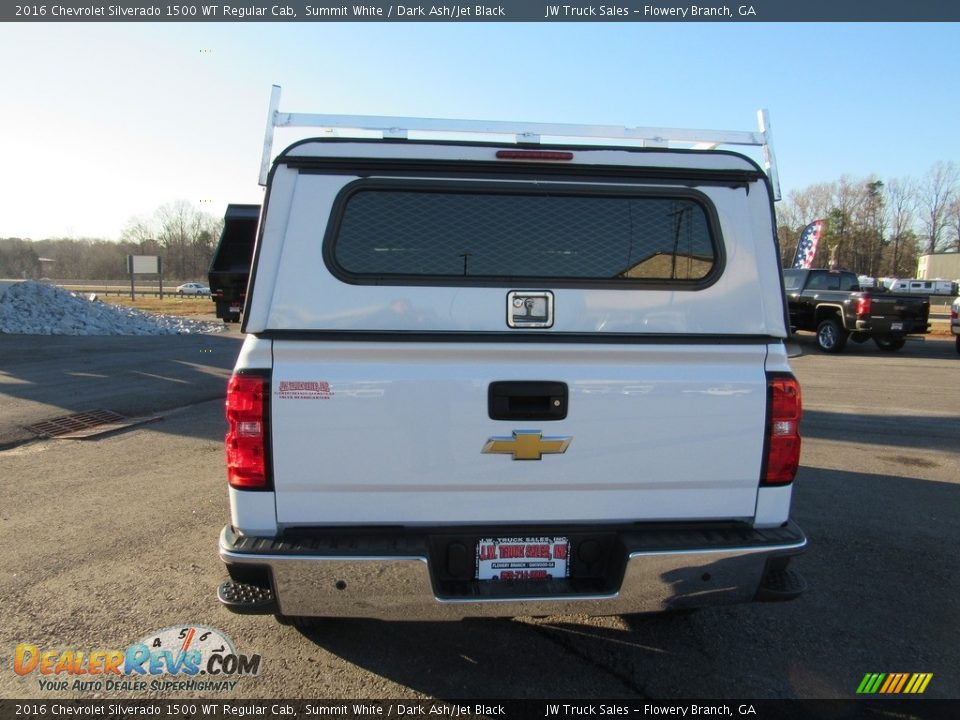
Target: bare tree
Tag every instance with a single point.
(841, 232)
(902, 202)
(813, 203)
(800, 209)
(187, 236)
(18, 259)
(937, 191)
(174, 220)
(142, 233)
(953, 217)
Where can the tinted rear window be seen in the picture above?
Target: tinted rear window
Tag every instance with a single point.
(792, 280)
(491, 235)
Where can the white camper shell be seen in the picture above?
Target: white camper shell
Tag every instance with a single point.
(497, 378)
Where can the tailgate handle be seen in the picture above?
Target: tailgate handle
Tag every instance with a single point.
(527, 400)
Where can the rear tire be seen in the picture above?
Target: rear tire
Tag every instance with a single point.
(300, 622)
(889, 344)
(958, 343)
(831, 337)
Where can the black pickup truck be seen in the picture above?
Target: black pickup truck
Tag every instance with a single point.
(230, 268)
(834, 306)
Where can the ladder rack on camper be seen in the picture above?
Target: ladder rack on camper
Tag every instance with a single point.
(527, 133)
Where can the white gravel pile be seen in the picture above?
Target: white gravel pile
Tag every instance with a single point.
(34, 308)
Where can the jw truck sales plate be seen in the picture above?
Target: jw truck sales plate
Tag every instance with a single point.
(525, 558)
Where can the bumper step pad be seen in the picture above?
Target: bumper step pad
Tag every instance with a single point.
(245, 598)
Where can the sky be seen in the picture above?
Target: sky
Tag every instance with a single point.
(102, 123)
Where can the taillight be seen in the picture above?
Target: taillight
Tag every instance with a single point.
(783, 429)
(864, 305)
(953, 314)
(246, 439)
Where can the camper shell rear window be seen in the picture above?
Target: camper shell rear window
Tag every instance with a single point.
(523, 233)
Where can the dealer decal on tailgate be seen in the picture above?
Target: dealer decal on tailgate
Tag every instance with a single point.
(304, 390)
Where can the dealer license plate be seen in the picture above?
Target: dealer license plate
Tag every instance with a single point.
(896, 326)
(523, 558)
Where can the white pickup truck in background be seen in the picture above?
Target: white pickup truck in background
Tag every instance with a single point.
(506, 376)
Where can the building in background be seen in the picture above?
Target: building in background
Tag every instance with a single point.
(939, 266)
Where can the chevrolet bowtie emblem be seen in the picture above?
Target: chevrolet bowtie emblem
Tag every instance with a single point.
(527, 445)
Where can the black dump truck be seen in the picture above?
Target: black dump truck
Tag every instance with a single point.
(834, 306)
(230, 268)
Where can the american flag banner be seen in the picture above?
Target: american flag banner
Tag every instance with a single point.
(807, 247)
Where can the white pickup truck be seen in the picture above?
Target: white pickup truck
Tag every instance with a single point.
(503, 376)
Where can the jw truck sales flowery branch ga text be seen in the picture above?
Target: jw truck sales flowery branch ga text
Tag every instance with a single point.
(649, 11)
(566, 710)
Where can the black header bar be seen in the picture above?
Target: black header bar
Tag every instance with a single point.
(504, 11)
(214, 708)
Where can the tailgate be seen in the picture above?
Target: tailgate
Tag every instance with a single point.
(381, 433)
(911, 313)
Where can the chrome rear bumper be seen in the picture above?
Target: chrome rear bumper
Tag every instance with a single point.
(390, 578)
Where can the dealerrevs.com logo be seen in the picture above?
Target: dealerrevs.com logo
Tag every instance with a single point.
(184, 658)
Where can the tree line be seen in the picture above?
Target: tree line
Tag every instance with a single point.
(183, 236)
(873, 227)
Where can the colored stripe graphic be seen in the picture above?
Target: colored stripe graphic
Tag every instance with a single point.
(891, 681)
(870, 684)
(894, 683)
(918, 683)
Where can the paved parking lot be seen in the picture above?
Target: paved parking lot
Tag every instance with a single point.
(108, 540)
